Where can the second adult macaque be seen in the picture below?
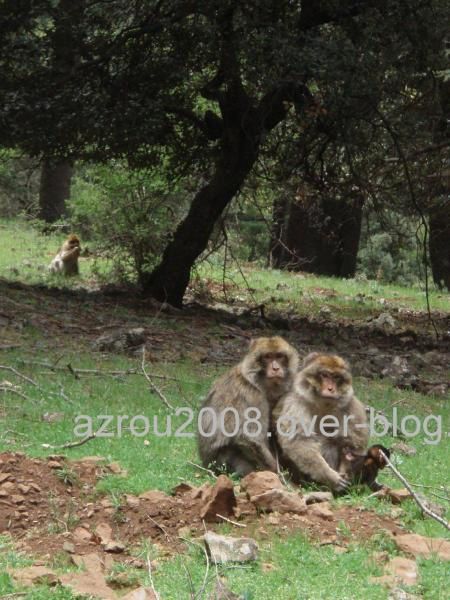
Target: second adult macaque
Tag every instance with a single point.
(234, 421)
(318, 419)
(363, 468)
(66, 261)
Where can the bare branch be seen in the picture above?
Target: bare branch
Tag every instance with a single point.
(424, 508)
(70, 444)
(153, 387)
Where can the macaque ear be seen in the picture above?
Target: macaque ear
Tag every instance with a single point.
(310, 358)
(252, 344)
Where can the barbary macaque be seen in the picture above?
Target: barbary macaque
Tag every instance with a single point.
(234, 421)
(363, 468)
(66, 261)
(317, 419)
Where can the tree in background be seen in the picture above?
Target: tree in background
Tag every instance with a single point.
(202, 84)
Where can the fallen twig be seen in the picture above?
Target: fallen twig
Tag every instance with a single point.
(112, 372)
(202, 469)
(153, 387)
(12, 390)
(230, 521)
(70, 444)
(150, 577)
(425, 509)
(16, 372)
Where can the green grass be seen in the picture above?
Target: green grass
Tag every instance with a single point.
(298, 568)
(26, 253)
(306, 294)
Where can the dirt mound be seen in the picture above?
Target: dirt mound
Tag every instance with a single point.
(51, 505)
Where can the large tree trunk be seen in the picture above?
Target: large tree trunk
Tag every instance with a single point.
(439, 241)
(169, 280)
(278, 254)
(54, 189)
(324, 233)
(439, 209)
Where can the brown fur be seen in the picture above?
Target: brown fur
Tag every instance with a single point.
(263, 376)
(363, 468)
(66, 260)
(308, 453)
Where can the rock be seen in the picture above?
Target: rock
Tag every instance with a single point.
(220, 500)
(155, 496)
(17, 498)
(321, 510)
(140, 593)
(54, 464)
(121, 341)
(182, 488)
(104, 532)
(36, 575)
(259, 482)
(23, 488)
(92, 460)
(81, 535)
(222, 549)
(69, 547)
(315, 497)
(90, 562)
(88, 584)
(114, 547)
(280, 501)
(395, 496)
(132, 501)
(418, 545)
(115, 468)
(384, 321)
(403, 448)
(399, 570)
(273, 519)
(399, 371)
(184, 532)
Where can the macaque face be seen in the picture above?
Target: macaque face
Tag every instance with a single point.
(331, 384)
(274, 365)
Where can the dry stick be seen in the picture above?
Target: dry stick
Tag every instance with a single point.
(94, 371)
(230, 521)
(202, 468)
(205, 578)
(24, 377)
(422, 506)
(6, 388)
(149, 570)
(70, 444)
(153, 387)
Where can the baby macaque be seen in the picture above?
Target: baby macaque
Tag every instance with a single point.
(363, 468)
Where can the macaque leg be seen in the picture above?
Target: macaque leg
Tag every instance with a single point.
(260, 455)
(234, 461)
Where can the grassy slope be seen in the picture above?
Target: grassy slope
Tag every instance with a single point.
(297, 569)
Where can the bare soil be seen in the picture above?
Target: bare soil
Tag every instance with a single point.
(46, 515)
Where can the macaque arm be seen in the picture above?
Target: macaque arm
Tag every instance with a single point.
(305, 454)
(70, 254)
(259, 453)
